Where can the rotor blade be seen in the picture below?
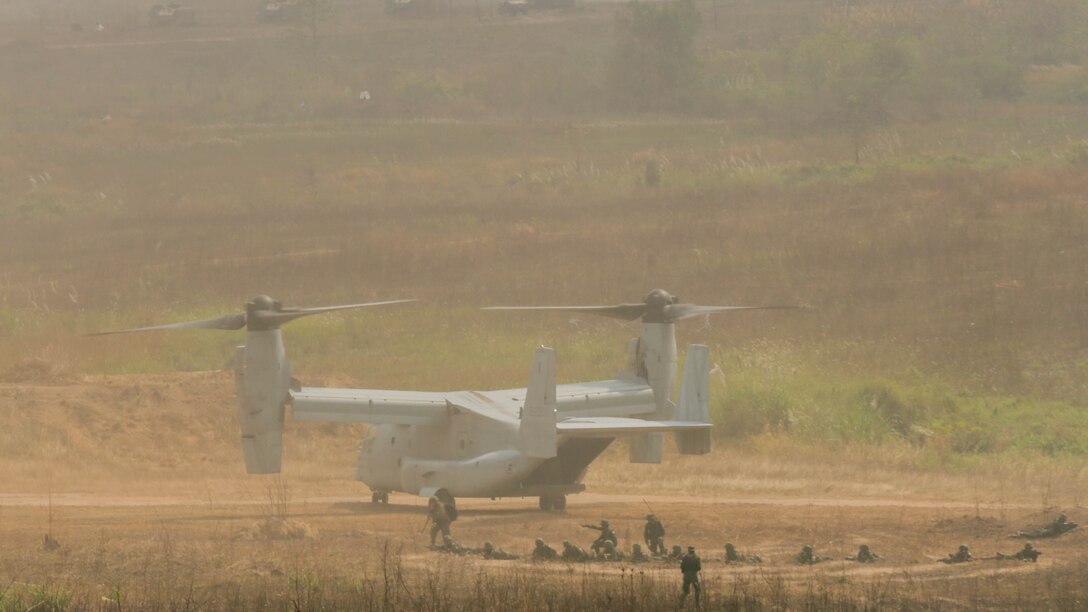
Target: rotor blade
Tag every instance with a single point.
(234, 321)
(676, 312)
(627, 312)
(290, 314)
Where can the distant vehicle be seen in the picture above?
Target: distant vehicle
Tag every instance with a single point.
(277, 10)
(513, 8)
(534, 441)
(409, 7)
(173, 14)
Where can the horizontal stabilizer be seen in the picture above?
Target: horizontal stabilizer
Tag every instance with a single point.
(610, 427)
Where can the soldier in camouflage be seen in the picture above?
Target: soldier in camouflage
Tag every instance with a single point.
(1027, 553)
(808, 557)
(654, 535)
(573, 553)
(490, 552)
(864, 555)
(733, 556)
(543, 552)
(607, 535)
(441, 515)
(1056, 528)
(690, 566)
(962, 555)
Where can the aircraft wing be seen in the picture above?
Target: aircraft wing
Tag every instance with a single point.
(374, 406)
(609, 427)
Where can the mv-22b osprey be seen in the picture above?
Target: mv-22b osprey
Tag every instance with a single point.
(532, 442)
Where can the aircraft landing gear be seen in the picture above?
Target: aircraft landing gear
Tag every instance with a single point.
(379, 497)
(557, 502)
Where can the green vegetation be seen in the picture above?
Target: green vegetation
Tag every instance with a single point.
(914, 172)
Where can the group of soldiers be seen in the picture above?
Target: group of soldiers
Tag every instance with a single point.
(606, 547)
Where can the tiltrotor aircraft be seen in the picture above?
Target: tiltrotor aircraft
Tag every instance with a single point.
(532, 442)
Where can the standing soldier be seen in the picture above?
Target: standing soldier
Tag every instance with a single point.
(441, 515)
(654, 535)
(690, 566)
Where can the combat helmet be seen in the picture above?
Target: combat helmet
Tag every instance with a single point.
(963, 547)
(540, 542)
(1028, 546)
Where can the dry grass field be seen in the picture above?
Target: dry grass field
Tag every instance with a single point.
(914, 173)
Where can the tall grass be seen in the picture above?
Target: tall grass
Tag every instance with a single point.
(392, 581)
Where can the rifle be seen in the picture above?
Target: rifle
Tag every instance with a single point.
(425, 523)
(648, 506)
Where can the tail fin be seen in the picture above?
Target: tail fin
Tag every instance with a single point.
(263, 378)
(537, 433)
(694, 402)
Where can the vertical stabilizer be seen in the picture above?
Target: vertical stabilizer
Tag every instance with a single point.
(694, 404)
(537, 433)
(263, 378)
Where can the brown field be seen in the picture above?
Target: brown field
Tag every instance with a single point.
(153, 175)
(151, 508)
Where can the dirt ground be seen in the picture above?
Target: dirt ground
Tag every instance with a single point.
(130, 502)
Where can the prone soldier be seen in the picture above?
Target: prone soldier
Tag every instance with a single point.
(1027, 553)
(490, 552)
(864, 555)
(637, 556)
(449, 545)
(732, 556)
(543, 552)
(573, 553)
(962, 555)
(677, 552)
(1056, 528)
(808, 557)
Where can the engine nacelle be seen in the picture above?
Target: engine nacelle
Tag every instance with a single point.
(262, 380)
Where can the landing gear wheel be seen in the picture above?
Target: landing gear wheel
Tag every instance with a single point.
(546, 503)
(559, 503)
(379, 497)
